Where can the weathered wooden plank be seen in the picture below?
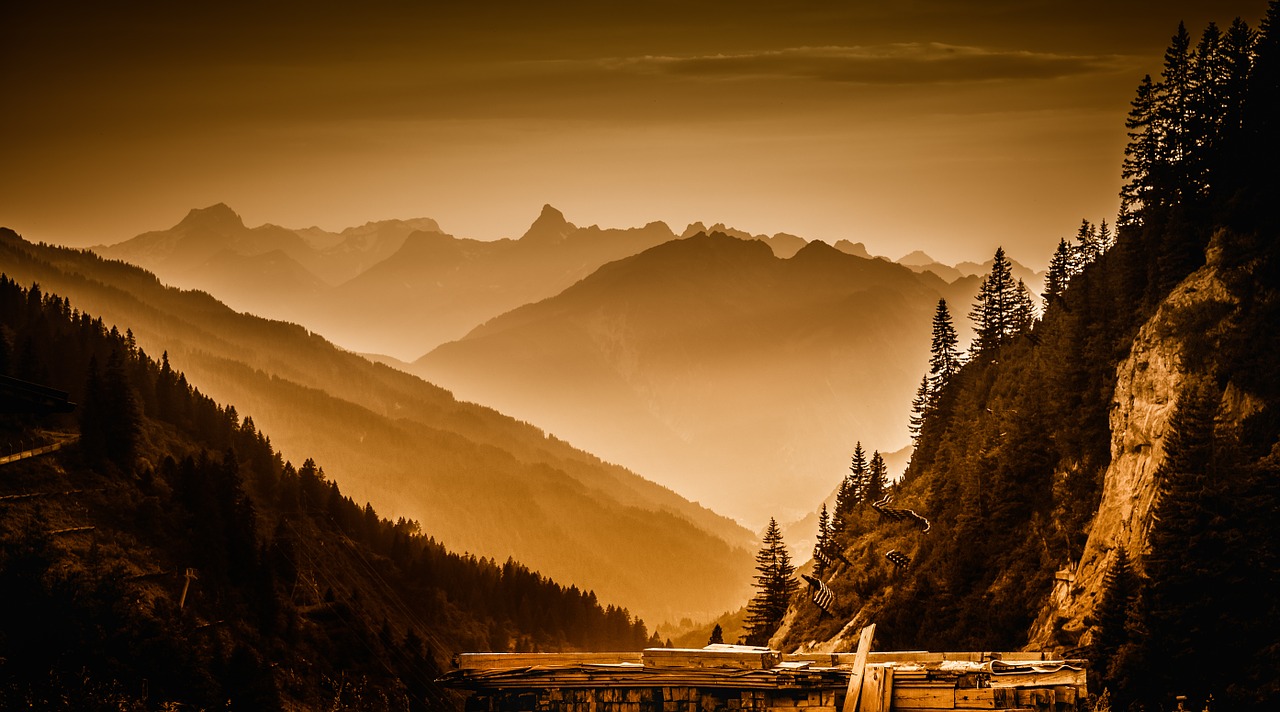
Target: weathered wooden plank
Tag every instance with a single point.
(1020, 656)
(929, 698)
(975, 698)
(1065, 676)
(877, 688)
(822, 659)
(726, 657)
(495, 661)
(859, 664)
(894, 656)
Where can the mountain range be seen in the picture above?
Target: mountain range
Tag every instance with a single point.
(431, 288)
(712, 365)
(400, 288)
(476, 480)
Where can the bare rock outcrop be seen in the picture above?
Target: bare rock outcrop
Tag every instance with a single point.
(1147, 387)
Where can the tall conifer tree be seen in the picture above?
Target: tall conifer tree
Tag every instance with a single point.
(1141, 156)
(775, 584)
(993, 311)
(1119, 593)
(921, 406)
(877, 478)
(944, 351)
(1060, 272)
(822, 547)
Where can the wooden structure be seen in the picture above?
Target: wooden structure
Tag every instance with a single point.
(18, 396)
(728, 677)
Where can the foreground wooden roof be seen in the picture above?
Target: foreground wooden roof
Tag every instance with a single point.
(740, 677)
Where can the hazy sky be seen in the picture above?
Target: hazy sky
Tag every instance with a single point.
(936, 124)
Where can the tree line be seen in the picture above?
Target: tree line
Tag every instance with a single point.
(313, 592)
(1012, 444)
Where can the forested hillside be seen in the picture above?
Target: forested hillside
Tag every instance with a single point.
(1016, 447)
(172, 556)
(479, 481)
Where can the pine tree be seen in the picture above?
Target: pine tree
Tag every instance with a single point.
(717, 636)
(1206, 109)
(775, 584)
(1060, 273)
(877, 479)
(110, 420)
(1119, 593)
(823, 544)
(1186, 609)
(1086, 247)
(1142, 155)
(921, 406)
(1024, 310)
(993, 312)
(1174, 112)
(944, 352)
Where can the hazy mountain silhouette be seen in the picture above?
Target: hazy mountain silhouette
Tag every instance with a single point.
(438, 287)
(477, 480)
(713, 366)
(783, 244)
(857, 249)
(268, 270)
(397, 287)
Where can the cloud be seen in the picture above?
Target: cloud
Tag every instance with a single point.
(903, 63)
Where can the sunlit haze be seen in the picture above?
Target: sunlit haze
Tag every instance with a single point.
(941, 126)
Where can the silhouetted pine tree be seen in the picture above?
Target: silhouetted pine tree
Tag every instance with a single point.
(1024, 310)
(1202, 586)
(717, 636)
(1060, 273)
(1119, 594)
(993, 311)
(775, 584)
(1141, 156)
(877, 479)
(823, 544)
(944, 352)
(920, 408)
(848, 496)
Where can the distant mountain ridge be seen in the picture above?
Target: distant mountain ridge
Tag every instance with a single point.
(402, 287)
(714, 366)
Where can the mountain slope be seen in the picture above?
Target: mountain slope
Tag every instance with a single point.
(740, 377)
(479, 481)
(438, 287)
(169, 557)
(1105, 483)
(391, 287)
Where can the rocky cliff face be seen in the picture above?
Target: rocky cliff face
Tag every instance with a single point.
(1147, 387)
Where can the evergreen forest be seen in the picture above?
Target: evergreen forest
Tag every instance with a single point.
(1014, 436)
(170, 556)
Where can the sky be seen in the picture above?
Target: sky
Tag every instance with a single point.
(941, 125)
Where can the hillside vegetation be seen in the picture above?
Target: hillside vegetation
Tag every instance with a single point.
(1016, 448)
(477, 480)
(298, 594)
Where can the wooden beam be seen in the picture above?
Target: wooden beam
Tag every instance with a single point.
(933, 697)
(859, 664)
(742, 658)
(975, 698)
(498, 661)
(877, 688)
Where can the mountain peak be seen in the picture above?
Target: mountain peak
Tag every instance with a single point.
(857, 249)
(916, 259)
(550, 227)
(217, 216)
(693, 229)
